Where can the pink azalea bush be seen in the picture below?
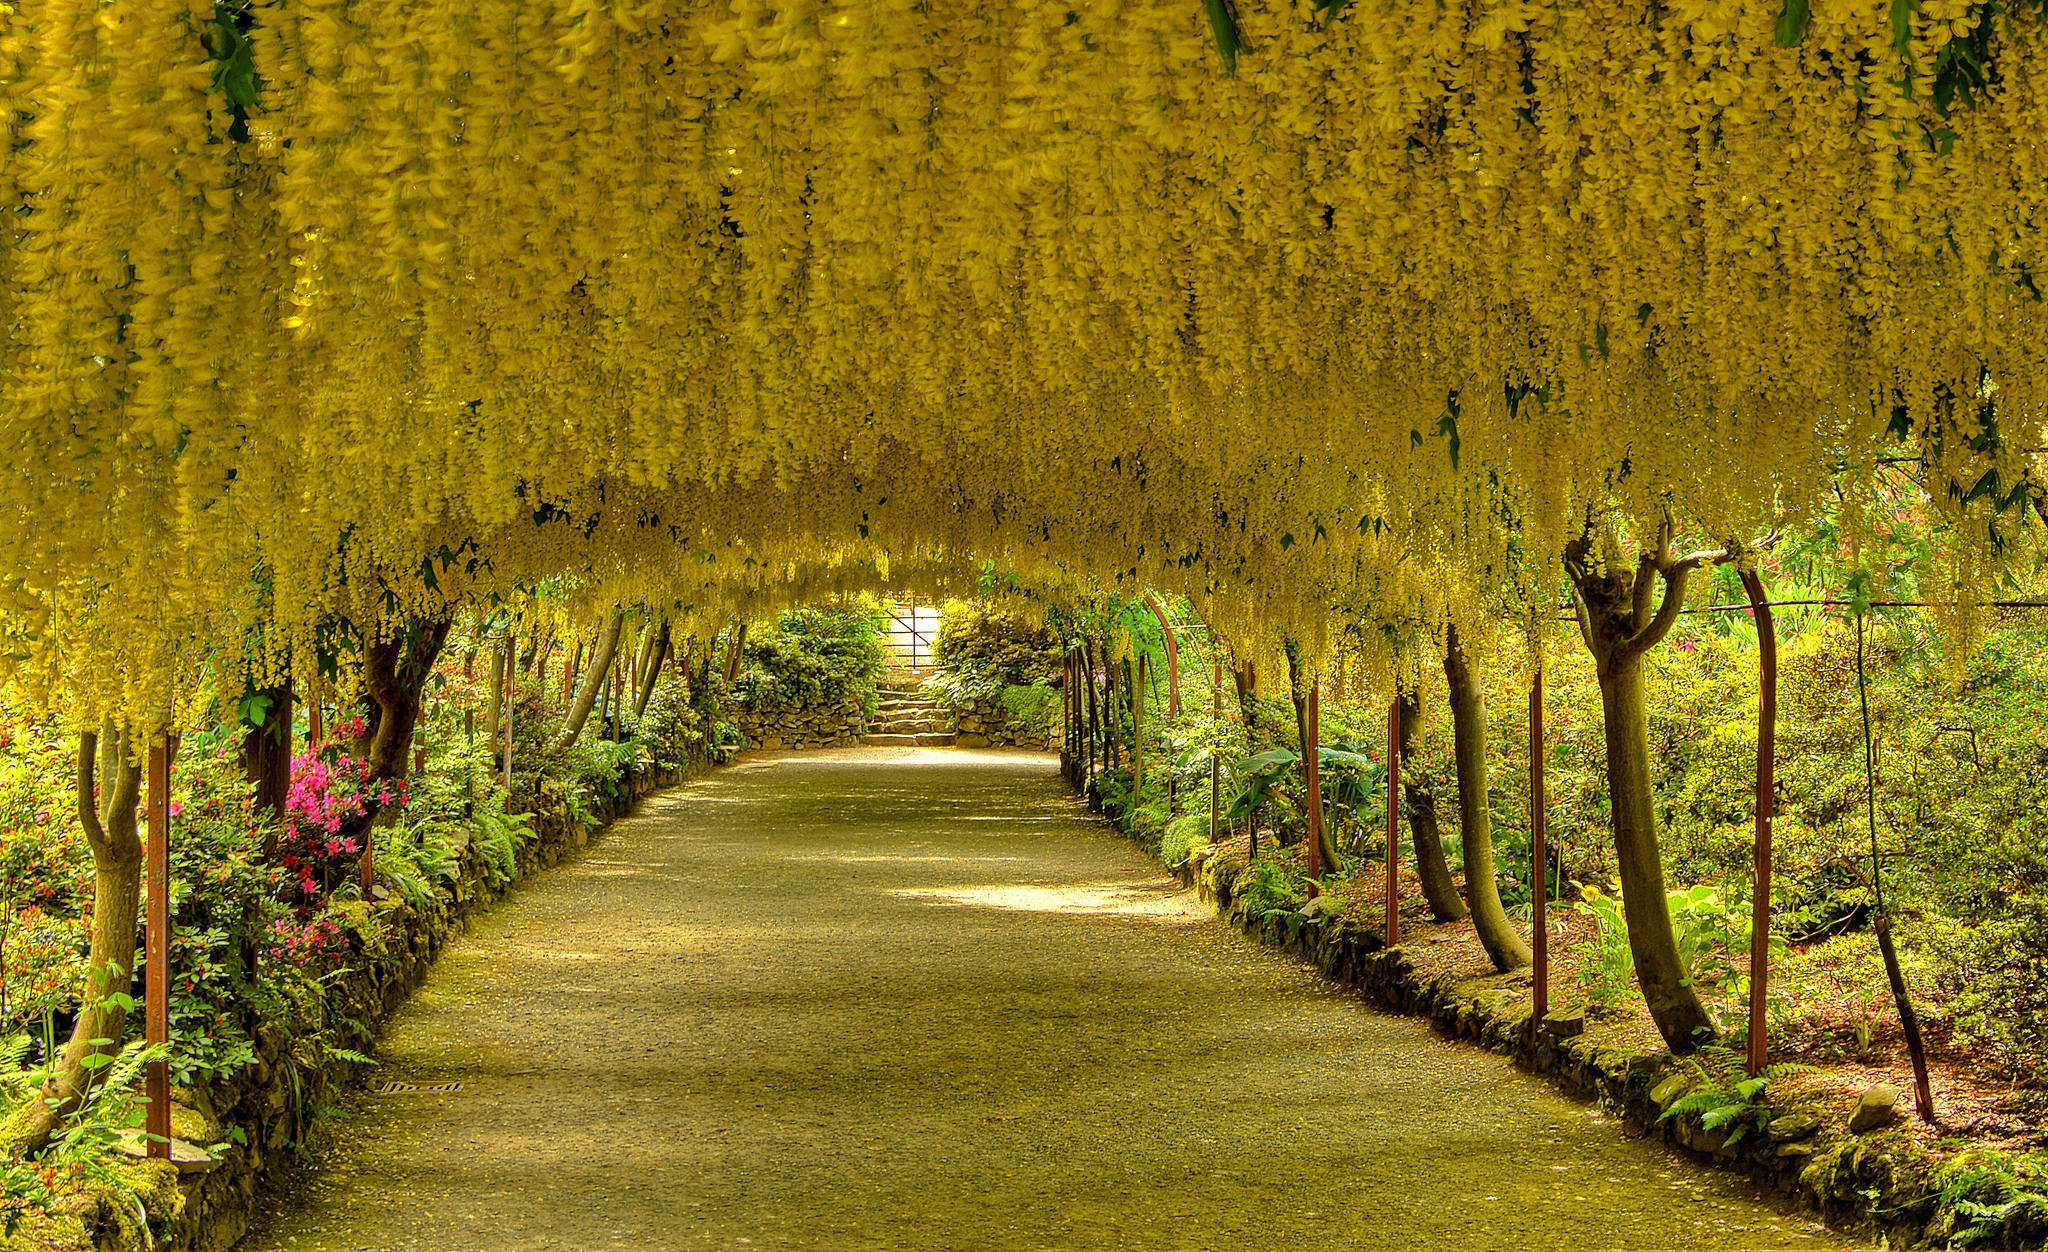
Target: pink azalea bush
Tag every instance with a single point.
(331, 791)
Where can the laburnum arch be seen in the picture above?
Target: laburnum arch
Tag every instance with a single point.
(1349, 321)
(324, 307)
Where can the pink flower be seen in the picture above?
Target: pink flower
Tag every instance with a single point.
(177, 809)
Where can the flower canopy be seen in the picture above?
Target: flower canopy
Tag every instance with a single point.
(322, 308)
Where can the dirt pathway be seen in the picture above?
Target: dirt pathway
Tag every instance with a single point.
(919, 999)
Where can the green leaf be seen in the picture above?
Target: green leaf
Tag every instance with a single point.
(1266, 760)
(1340, 759)
(1902, 24)
(1793, 20)
(1223, 22)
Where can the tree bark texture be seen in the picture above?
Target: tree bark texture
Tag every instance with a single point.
(1475, 819)
(594, 676)
(110, 832)
(1418, 801)
(1620, 622)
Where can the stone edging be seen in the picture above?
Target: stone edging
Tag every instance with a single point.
(210, 1211)
(1871, 1183)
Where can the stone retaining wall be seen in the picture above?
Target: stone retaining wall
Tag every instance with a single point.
(830, 727)
(1873, 1182)
(985, 723)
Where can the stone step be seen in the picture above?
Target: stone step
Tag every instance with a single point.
(910, 726)
(927, 740)
(904, 703)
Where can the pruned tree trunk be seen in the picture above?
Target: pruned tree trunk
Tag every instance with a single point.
(267, 759)
(395, 673)
(1418, 801)
(736, 656)
(594, 676)
(1619, 624)
(1326, 845)
(651, 670)
(110, 832)
(496, 709)
(1475, 820)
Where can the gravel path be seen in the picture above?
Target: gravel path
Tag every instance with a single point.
(920, 999)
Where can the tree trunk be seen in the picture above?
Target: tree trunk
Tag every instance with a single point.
(1475, 822)
(496, 703)
(1681, 1019)
(594, 676)
(267, 760)
(1418, 800)
(1620, 619)
(651, 670)
(736, 658)
(110, 971)
(395, 673)
(1326, 844)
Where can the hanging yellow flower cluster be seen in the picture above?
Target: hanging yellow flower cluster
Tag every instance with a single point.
(678, 296)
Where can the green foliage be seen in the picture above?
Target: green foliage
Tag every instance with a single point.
(417, 857)
(1995, 1196)
(497, 837)
(1710, 935)
(1183, 837)
(1607, 965)
(1268, 887)
(87, 1146)
(814, 658)
(990, 646)
(1725, 1096)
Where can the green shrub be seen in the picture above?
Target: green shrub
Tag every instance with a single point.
(1183, 837)
(814, 658)
(993, 645)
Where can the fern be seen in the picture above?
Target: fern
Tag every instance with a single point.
(1726, 1096)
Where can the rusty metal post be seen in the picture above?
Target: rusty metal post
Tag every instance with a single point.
(157, 1017)
(511, 685)
(1094, 728)
(1312, 771)
(1766, 801)
(1172, 656)
(1138, 740)
(1216, 712)
(1539, 852)
(1394, 821)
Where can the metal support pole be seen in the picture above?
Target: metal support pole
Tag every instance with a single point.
(157, 1018)
(1094, 716)
(1394, 821)
(1172, 656)
(1138, 741)
(511, 684)
(1539, 853)
(1312, 770)
(1215, 711)
(1766, 800)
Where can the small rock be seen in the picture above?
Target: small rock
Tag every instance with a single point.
(1793, 1151)
(1668, 1091)
(1317, 907)
(1565, 1023)
(186, 1158)
(1792, 1126)
(1878, 1107)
